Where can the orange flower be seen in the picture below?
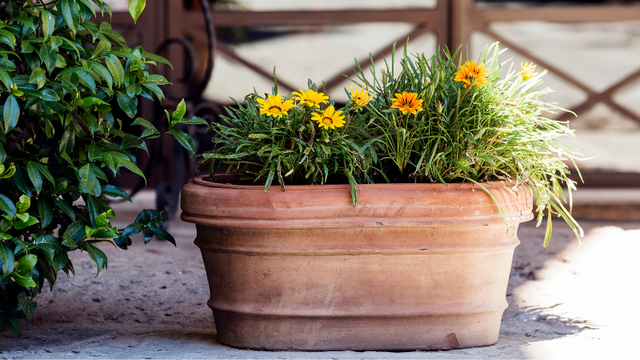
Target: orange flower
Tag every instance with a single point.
(472, 74)
(407, 102)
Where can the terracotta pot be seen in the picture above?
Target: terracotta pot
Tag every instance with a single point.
(413, 266)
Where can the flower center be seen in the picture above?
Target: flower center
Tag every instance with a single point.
(276, 108)
(327, 121)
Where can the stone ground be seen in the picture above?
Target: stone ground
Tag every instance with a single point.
(565, 301)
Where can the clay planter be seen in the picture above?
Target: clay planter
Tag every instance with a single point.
(414, 266)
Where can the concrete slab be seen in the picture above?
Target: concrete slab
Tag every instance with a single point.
(565, 301)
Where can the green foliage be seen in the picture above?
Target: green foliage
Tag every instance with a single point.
(498, 131)
(69, 87)
(482, 131)
(290, 149)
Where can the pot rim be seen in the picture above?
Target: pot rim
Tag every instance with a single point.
(201, 180)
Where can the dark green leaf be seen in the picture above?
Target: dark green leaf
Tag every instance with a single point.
(129, 141)
(6, 79)
(8, 262)
(95, 207)
(127, 104)
(74, 234)
(123, 242)
(89, 183)
(7, 206)
(7, 37)
(156, 58)
(38, 77)
(45, 211)
(48, 23)
(45, 94)
(115, 68)
(70, 14)
(48, 57)
(33, 60)
(11, 113)
(96, 255)
(163, 235)
(89, 101)
(145, 123)
(21, 179)
(27, 47)
(128, 55)
(114, 160)
(113, 191)
(34, 176)
(184, 139)
(66, 208)
(156, 90)
(147, 235)
(26, 21)
(47, 263)
(47, 239)
(87, 80)
(132, 229)
(88, 5)
(194, 120)
(43, 170)
(103, 72)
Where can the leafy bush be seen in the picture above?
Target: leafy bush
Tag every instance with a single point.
(69, 87)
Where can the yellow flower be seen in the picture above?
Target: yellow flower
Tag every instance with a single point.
(360, 97)
(310, 98)
(407, 102)
(471, 72)
(527, 70)
(274, 106)
(329, 118)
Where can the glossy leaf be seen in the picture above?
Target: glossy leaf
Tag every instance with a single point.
(48, 23)
(7, 259)
(113, 191)
(97, 255)
(46, 212)
(7, 206)
(6, 79)
(184, 139)
(135, 8)
(128, 104)
(11, 113)
(70, 14)
(115, 68)
(177, 115)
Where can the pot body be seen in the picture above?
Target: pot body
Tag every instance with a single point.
(413, 266)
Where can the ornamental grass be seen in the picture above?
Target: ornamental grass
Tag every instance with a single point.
(430, 119)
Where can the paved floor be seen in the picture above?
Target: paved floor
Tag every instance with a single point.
(565, 301)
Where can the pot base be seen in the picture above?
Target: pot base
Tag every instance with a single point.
(385, 333)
